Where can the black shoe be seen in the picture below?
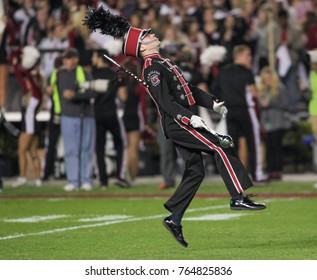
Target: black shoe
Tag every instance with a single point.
(246, 204)
(175, 230)
(122, 183)
(44, 179)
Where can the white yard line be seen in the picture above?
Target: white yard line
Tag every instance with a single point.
(36, 219)
(104, 224)
(215, 217)
(105, 218)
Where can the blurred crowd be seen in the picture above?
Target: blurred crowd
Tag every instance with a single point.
(281, 36)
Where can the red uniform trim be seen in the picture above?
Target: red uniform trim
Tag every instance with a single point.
(147, 63)
(185, 120)
(219, 150)
(184, 84)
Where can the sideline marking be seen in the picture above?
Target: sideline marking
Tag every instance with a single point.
(104, 224)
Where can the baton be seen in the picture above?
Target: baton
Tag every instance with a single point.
(127, 71)
(225, 140)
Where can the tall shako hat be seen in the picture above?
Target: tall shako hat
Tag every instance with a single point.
(117, 27)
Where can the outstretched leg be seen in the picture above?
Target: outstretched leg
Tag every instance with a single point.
(193, 176)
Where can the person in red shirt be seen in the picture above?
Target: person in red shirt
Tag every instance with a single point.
(28, 74)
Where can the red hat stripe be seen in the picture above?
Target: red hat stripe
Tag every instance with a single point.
(131, 44)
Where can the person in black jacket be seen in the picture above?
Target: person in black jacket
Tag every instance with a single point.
(173, 97)
(53, 129)
(243, 120)
(77, 121)
(107, 119)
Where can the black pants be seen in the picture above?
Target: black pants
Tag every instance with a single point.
(274, 151)
(190, 143)
(243, 122)
(115, 126)
(54, 132)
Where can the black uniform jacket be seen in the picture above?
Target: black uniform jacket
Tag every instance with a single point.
(172, 94)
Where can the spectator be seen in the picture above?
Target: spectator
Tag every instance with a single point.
(172, 34)
(107, 119)
(77, 122)
(197, 39)
(6, 39)
(211, 60)
(290, 51)
(23, 16)
(61, 12)
(29, 137)
(229, 35)
(301, 7)
(5, 30)
(310, 29)
(222, 8)
(239, 93)
(243, 12)
(56, 40)
(54, 123)
(274, 109)
(134, 118)
(190, 9)
(170, 12)
(211, 27)
(261, 31)
(136, 18)
(37, 27)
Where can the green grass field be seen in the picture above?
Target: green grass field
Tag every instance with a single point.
(126, 224)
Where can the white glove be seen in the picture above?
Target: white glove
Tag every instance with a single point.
(100, 85)
(197, 122)
(219, 108)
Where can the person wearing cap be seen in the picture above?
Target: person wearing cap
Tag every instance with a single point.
(173, 96)
(77, 120)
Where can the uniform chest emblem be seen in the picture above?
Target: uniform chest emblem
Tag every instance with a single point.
(154, 78)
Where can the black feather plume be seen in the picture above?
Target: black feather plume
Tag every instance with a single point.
(109, 24)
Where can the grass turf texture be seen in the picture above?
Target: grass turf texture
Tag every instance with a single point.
(286, 230)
